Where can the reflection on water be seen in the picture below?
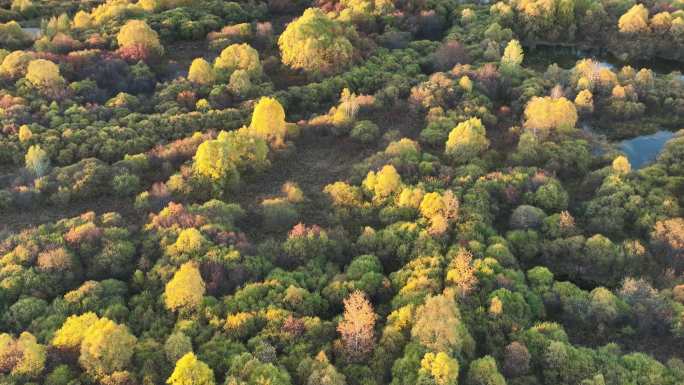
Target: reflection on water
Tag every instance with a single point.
(644, 149)
(542, 56)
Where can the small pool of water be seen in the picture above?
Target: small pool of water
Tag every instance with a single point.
(644, 149)
(34, 32)
(542, 56)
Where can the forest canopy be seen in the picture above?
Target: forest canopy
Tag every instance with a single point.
(341, 192)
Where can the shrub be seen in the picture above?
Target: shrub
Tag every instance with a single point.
(278, 213)
(365, 131)
(125, 185)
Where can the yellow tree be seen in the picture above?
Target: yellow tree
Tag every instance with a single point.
(466, 84)
(635, 20)
(107, 347)
(268, 122)
(466, 141)
(83, 20)
(201, 72)
(238, 57)
(667, 239)
(43, 73)
(22, 357)
(513, 56)
(37, 160)
(621, 165)
(138, 33)
(384, 183)
(214, 160)
(461, 273)
(191, 371)
(315, 43)
(15, 64)
(545, 114)
(33, 356)
(440, 368)
(71, 334)
(585, 101)
(189, 241)
(356, 328)
(438, 326)
(185, 290)
(25, 133)
(440, 210)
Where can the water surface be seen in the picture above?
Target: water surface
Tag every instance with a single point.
(644, 149)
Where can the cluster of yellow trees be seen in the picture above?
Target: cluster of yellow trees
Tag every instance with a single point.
(222, 159)
(636, 20)
(104, 346)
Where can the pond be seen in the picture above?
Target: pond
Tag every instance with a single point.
(640, 150)
(540, 57)
(644, 149)
(34, 32)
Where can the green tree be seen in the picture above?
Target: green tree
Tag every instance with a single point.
(483, 371)
(324, 373)
(191, 371)
(240, 84)
(246, 369)
(315, 43)
(176, 346)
